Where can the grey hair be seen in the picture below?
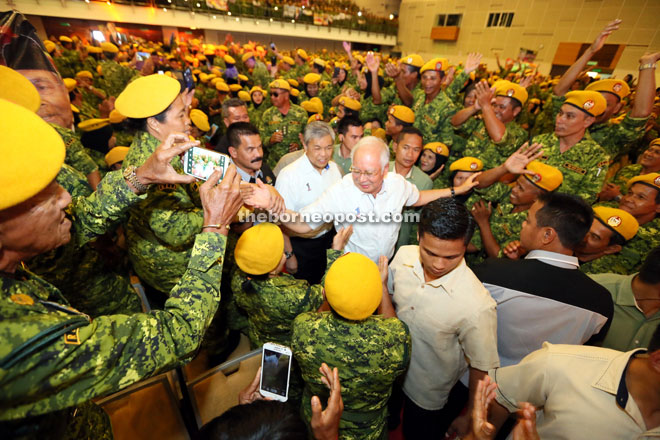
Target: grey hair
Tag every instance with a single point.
(318, 130)
(230, 103)
(370, 140)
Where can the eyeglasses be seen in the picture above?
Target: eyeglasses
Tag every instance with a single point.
(359, 173)
(275, 94)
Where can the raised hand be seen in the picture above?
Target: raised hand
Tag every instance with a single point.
(341, 238)
(158, 169)
(325, 423)
(516, 163)
(472, 62)
(600, 40)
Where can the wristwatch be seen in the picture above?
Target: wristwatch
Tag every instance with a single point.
(131, 177)
(288, 254)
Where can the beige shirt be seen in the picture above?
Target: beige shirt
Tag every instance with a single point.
(451, 319)
(581, 390)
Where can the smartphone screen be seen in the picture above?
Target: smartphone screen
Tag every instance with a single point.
(336, 72)
(200, 162)
(141, 56)
(189, 83)
(275, 371)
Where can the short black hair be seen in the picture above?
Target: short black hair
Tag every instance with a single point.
(657, 191)
(411, 130)
(446, 219)
(231, 103)
(654, 345)
(238, 129)
(570, 216)
(346, 123)
(650, 271)
(258, 420)
(411, 69)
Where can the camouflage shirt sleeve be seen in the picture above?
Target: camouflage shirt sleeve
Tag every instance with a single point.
(454, 89)
(172, 214)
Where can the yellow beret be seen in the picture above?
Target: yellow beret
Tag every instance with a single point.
(246, 56)
(617, 220)
(65, 39)
(325, 83)
(280, 84)
(655, 141)
(380, 133)
(413, 60)
(18, 89)
(221, 86)
(115, 155)
(588, 101)
(200, 119)
(350, 103)
(115, 117)
(244, 96)
(197, 72)
(437, 64)
(545, 176)
(50, 46)
(69, 83)
(313, 105)
(259, 250)
(28, 146)
(511, 90)
(229, 59)
(209, 51)
(294, 92)
(311, 78)
(235, 87)
(147, 96)
(471, 164)
(617, 87)
(302, 54)
(189, 59)
(242, 77)
(109, 47)
(293, 82)
(402, 113)
(203, 77)
(535, 101)
(223, 47)
(650, 179)
(288, 60)
(257, 89)
(314, 117)
(319, 62)
(437, 148)
(93, 124)
(350, 274)
(85, 74)
(75, 109)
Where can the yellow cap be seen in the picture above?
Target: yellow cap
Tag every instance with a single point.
(655, 141)
(115, 117)
(223, 47)
(229, 59)
(209, 51)
(147, 96)
(325, 83)
(221, 86)
(380, 133)
(535, 101)
(319, 62)
(437, 148)
(471, 164)
(314, 117)
(293, 82)
(314, 105)
(246, 56)
(588, 101)
(244, 96)
(617, 220)
(650, 179)
(353, 286)
(545, 176)
(617, 87)
(235, 87)
(311, 78)
(85, 74)
(93, 124)
(65, 39)
(288, 60)
(75, 109)
(109, 47)
(200, 119)
(280, 84)
(302, 54)
(350, 103)
(510, 90)
(257, 89)
(413, 60)
(402, 113)
(70, 83)
(242, 77)
(50, 46)
(115, 155)
(18, 89)
(259, 250)
(437, 64)
(294, 92)
(29, 147)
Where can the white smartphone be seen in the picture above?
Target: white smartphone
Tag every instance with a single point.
(275, 370)
(201, 163)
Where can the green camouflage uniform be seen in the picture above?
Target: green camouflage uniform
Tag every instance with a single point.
(99, 160)
(493, 154)
(115, 77)
(369, 354)
(260, 75)
(408, 231)
(291, 124)
(90, 104)
(433, 119)
(66, 64)
(390, 94)
(90, 280)
(462, 135)
(618, 139)
(369, 110)
(76, 156)
(89, 64)
(626, 173)
(453, 91)
(162, 228)
(622, 263)
(53, 357)
(584, 165)
(256, 114)
(646, 239)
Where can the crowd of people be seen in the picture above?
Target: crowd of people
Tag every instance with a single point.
(443, 247)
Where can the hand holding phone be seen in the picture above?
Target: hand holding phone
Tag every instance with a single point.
(275, 371)
(200, 162)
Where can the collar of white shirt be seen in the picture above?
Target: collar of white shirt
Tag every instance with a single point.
(554, 259)
(393, 170)
(246, 176)
(309, 168)
(447, 281)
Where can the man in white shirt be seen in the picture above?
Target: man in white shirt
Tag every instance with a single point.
(300, 184)
(369, 198)
(450, 315)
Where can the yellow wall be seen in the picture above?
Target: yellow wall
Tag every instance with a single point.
(538, 25)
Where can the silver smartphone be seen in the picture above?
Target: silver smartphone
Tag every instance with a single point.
(200, 162)
(275, 371)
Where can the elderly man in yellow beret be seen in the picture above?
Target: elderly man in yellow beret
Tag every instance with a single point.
(616, 139)
(41, 333)
(114, 77)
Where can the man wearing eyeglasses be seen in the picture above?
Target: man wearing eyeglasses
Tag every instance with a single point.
(370, 199)
(281, 124)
